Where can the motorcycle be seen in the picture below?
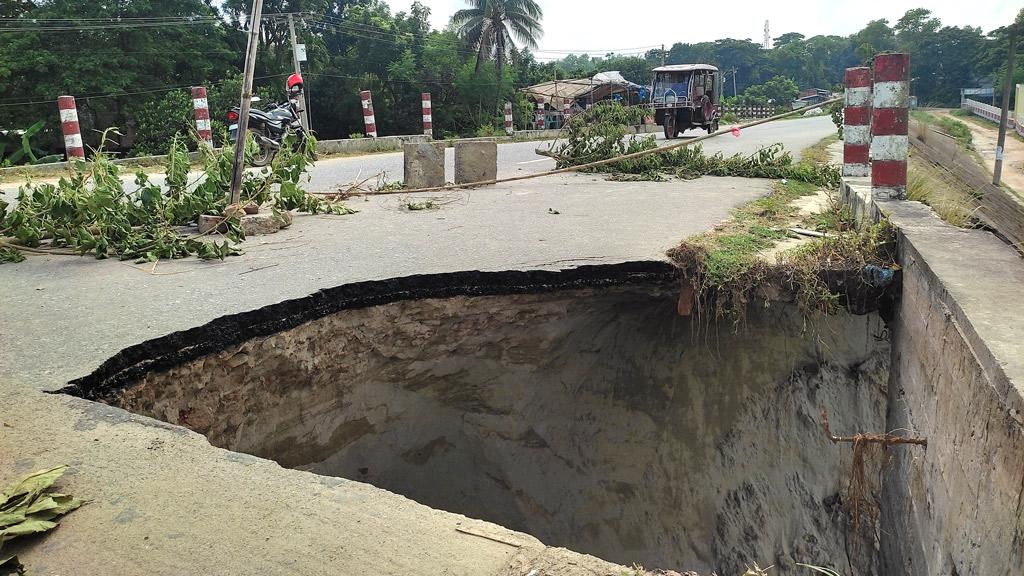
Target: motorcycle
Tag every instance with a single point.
(269, 128)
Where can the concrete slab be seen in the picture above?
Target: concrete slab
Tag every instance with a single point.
(162, 501)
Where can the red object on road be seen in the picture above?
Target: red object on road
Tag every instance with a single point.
(735, 131)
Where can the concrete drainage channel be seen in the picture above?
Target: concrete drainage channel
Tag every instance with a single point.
(577, 406)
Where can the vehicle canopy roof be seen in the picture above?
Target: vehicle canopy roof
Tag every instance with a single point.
(685, 68)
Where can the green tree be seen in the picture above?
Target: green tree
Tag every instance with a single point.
(111, 67)
(875, 37)
(491, 26)
(787, 38)
(778, 91)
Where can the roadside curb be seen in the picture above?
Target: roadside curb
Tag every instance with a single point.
(353, 146)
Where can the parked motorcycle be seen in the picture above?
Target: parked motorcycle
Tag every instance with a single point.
(269, 128)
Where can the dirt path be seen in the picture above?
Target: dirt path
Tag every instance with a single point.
(985, 140)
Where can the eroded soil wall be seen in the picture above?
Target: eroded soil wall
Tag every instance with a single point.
(595, 419)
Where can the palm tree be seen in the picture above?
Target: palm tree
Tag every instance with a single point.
(490, 26)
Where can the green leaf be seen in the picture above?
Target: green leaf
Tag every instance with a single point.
(31, 485)
(30, 526)
(11, 518)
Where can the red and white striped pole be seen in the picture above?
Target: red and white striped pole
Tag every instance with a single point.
(889, 123)
(509, 129)
(539, 119)
(202, 109)
(857, 123)
(566, 112)
(72, 130)
(428, 115)
(368, 117)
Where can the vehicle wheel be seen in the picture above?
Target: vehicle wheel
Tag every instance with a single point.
(266, 153)
(670, 126)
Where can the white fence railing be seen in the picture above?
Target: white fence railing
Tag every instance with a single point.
(992, 113)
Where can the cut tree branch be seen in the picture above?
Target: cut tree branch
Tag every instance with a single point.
(885, 439)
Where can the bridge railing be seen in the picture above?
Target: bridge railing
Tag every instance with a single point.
(993, 113)
(750, 111)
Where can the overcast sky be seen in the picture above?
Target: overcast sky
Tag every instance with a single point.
(614, 24)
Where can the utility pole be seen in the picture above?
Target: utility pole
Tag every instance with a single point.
(734, 93)
(1004, 117)
(662, 54)
(304, 115)
(243, 112)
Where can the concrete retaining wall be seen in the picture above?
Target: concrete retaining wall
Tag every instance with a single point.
(957, 374)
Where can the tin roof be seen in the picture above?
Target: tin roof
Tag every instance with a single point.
(685, 68)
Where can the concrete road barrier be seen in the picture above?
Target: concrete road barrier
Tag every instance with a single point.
(424, 164)
(476, 162)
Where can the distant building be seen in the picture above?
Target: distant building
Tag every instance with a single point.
(582, 93)
(811, 97)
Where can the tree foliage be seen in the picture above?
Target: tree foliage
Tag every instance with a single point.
(491, 26)
(137, 78)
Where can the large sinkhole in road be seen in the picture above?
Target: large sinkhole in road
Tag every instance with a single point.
(592, 417)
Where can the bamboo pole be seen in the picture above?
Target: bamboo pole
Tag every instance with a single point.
(605, 162)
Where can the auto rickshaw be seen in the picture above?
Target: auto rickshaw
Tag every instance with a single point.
(687, 96)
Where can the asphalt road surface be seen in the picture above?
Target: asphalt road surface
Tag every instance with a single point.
(517, 158)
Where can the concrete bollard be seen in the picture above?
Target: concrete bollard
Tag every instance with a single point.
(428, 115)
(424, 164)
(509, 128)
(857, 123)
(368, 118)
(476, 162)
(539, 118)
(202, 111)
(889, 123)
(73, 145)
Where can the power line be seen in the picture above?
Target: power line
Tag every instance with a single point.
(104, 95)
(120, 18)
(68, 25)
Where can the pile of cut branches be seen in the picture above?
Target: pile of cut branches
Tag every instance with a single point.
(602, 132)
(91, 212)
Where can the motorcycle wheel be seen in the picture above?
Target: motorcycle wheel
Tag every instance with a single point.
(266, 154)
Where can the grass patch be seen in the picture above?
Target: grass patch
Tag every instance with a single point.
(819, 153)
(731, 251)
(730, 266)
(948, 197)
(958, 130)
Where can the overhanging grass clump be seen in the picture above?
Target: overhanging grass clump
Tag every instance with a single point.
(602, 133)
(730, 267)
